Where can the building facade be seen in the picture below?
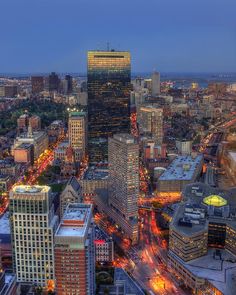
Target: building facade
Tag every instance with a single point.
(74, 252)
(151, 122)
(39, 140)
(53, 82)
(202, 240)
(156, 84)
(37, 84)
(78, 131)
(123, 182)
(109, 82)
(182, 171)
(104, 247)
(33, 224)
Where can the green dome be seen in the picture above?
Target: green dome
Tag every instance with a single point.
(215, 200)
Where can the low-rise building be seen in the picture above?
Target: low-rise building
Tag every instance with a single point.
(56, 130)
(38, 139)
(94, 178)
(8, 285)
(202, 241)
(5, 182)
(123, 285)
(9, 167)
(24, 153)
(5, 242)
(182, 171)
(104, 247)
(70, 194)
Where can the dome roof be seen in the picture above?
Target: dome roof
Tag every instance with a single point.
(215, 200)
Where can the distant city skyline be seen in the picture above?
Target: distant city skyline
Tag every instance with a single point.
(167, 36)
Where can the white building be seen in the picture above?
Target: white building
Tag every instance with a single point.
(33, 224)
(184, 146)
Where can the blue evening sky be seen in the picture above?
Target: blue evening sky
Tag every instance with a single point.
(166, 35)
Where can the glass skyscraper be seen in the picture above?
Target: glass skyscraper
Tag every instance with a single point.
(109, 75)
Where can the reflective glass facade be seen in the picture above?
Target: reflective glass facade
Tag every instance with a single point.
(109, 76)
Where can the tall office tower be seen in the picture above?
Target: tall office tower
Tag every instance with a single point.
(78, 131)
(37, 84)
(123, 181)
(156, 84)
(151, 122)
(74, 251)
(69, 80)
(53, 82)
(33, 225)
(108, 99)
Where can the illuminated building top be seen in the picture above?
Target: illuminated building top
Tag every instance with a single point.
(27, 189)
(215, 200)
(109, 85)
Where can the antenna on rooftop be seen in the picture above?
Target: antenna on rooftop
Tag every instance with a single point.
(108, 46)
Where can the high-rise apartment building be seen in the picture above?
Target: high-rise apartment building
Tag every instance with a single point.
(123, 182)
(33, 224)
(151, 122)
(53, 82)
(74, 252)
(78, 131)
(37, 84)
(69, 80)
(156, 84)
(108, 99)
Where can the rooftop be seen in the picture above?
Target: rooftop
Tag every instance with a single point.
(220, 272)
(96, 173)
(182, 168)
(77, 114)
(35, 135)
(24, 145)
(4, 177)
(76, 220)
(77, 214)
(101, 235)
(123, 285)
(215, 200)
(124, 137)
(151, 108)
(203, 204)
(27, 189)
